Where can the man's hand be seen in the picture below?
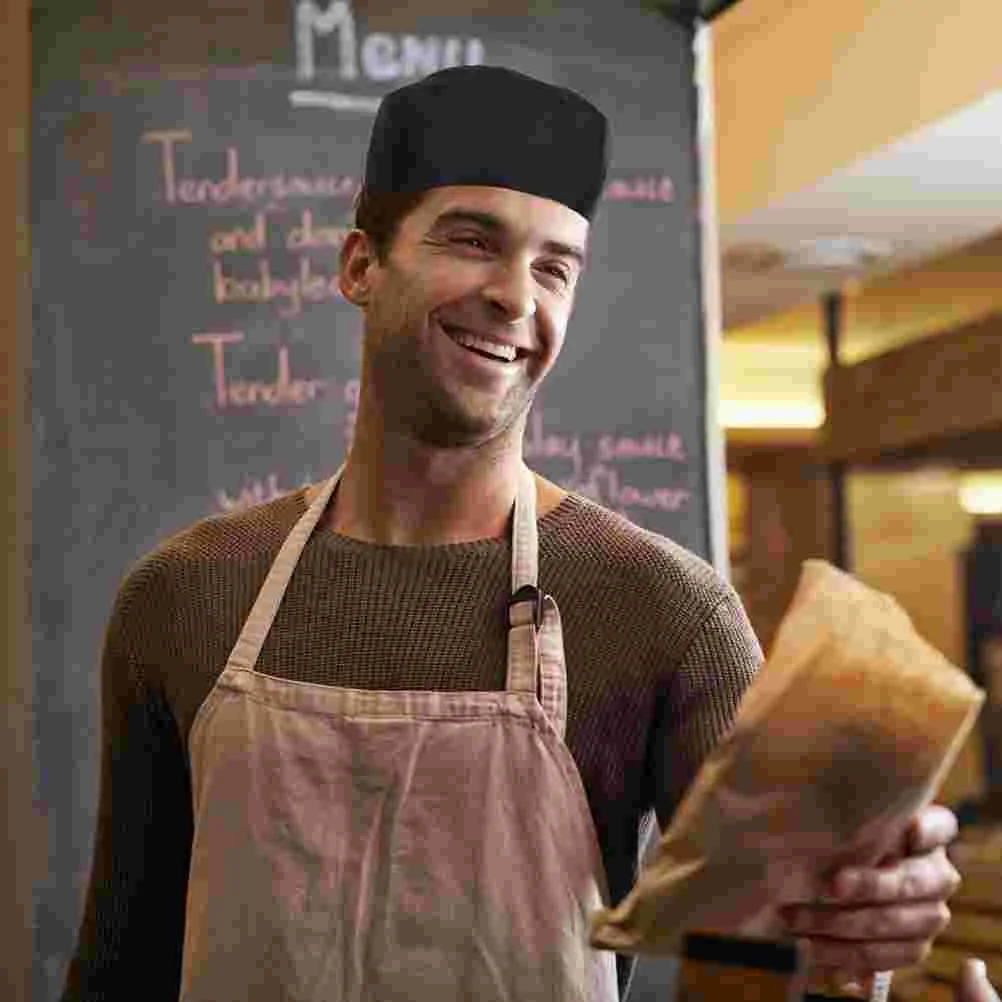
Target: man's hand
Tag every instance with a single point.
(974, 984)
(883, 917)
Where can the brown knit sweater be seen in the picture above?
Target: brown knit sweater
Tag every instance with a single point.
(658, 654)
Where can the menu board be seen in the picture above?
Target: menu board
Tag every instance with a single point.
(192, 354)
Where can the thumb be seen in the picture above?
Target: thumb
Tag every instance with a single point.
(974, 985)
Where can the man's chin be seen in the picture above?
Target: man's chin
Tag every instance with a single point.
(463, 427)
(458, 435)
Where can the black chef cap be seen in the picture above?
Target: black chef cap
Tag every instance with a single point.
(485, 125)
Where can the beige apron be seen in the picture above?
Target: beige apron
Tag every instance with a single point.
(361, 845)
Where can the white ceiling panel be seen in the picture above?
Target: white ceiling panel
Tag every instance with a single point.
(918, 198)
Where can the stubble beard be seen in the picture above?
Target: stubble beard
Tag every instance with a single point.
(414, 401)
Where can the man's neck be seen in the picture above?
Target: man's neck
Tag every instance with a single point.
(399, 492)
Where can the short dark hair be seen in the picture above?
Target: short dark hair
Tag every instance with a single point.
(379, 214)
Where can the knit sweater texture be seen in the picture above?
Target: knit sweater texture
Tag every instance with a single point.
(658, 651)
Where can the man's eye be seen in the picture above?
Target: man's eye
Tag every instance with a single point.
(557, 271)
(470, 240)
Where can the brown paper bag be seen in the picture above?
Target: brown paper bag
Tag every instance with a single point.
(845, 733)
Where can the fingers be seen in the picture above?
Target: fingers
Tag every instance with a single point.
(863, 959)
(932, 827)
(930, 876)
(920, 920)
(974, 985)
(881, 918)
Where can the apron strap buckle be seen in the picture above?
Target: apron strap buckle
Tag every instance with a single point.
(523, 596)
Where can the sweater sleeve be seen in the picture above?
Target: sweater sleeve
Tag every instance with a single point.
(130, 940)
(702, 698)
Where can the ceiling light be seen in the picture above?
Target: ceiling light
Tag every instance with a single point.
(839, 252)
(981, 493)
(771, 414)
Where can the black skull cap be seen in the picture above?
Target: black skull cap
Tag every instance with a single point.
(486, 125)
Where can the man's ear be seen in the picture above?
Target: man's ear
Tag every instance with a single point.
(357, 259)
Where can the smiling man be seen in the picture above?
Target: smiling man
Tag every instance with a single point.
(398, 735)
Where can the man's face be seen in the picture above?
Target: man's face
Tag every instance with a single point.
(467, 313)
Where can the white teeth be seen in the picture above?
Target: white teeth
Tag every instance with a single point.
(505, 352)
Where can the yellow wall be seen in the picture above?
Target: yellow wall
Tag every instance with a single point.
(907, 534)
(803, 87)
(784, 356)
(786, 377)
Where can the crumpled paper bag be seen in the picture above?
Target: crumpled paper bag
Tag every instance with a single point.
(845, 733)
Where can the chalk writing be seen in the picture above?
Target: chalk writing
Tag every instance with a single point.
(542, 444)
(651, 446)
(233, 187)
(659, 188)
(603, 484)
(307, 234)
(264, 287)
(240, 239)
(382, 56)
(283, 391)
(255, 492)
(289, 291)
(593, 471)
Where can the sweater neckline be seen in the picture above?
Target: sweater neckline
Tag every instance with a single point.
(546, 524)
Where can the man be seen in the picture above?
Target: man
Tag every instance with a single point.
(352, 749)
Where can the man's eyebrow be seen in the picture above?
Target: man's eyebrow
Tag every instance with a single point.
(494, 224)
(565, 250)
(484, 219)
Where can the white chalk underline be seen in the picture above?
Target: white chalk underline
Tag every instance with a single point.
(334, 101)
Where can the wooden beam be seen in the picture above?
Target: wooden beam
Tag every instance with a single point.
(833, 316)
(940, 389)
(755, 440)
(788, 520)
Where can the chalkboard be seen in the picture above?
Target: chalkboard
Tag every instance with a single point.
(191, 354)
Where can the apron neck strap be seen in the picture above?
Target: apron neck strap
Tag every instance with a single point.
(535, 642)
(248, 646)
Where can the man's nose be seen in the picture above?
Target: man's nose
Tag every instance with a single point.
(511, 292)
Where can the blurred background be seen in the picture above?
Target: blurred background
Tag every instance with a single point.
(859, 160)
(857, 170)
(860, 212)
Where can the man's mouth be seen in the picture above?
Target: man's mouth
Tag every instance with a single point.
(494, 350)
